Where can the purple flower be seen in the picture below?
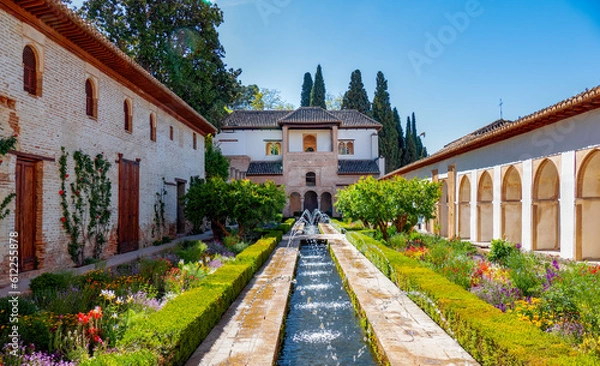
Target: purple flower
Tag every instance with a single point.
(555, 264)
(518, 246)
(215, 263)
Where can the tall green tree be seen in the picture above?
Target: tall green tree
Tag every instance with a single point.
(382, 112)
(307, 86)
(356, 97)
(245, 97)
(176, 42)
(410, 154)
(401, 144)
(318, 93)
(417, 137)
(215, 164)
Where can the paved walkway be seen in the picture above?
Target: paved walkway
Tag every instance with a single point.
(405, 334)
(249, 332)
(113, 261)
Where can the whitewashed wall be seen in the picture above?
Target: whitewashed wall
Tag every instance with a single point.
(363, 143)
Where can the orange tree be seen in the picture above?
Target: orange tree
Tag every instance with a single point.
(396, 201)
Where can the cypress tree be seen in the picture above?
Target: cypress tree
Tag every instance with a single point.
(382, 112)
(410, 154)
(401, 145)
(356, 97)
(306, 89)
(317, 94)
(417, 137)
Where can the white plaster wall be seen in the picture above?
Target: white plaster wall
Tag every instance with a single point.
(323, 139)
(571, 134)
(363, 143)
(250, 143)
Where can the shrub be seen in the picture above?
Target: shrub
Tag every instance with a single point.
(398, 242)
(51, 281)
(500, 250)
(524, 273)
(239, 247)
(191, 251)
(231, 240)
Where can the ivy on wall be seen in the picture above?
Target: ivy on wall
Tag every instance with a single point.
(6, 144)
(158, 228)
(86, 208)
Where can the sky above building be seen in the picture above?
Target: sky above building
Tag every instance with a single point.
(449, 61)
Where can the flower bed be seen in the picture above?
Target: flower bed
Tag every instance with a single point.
(492, 336)
(155, 311)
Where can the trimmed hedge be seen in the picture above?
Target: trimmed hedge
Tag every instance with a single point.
(286, 225)
(491, 336)
(172, 334)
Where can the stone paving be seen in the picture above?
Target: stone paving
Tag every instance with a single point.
(249, 332)
(406, 335)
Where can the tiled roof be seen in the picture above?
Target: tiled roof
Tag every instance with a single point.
(254, 119)
(576, 105)
(483, 130)
(304, 115)
(357, 167)
(309, 115)
(353, 118)
(265, 168)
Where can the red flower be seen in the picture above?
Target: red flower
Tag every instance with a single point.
(63, 219)
(77, 193)
(61, 192)
(97, 339)
(66, 175)
(16, 135)
(100, 170)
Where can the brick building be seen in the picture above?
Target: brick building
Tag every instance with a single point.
(313, 152)
(62, 84)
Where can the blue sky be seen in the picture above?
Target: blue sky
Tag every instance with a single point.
(449, 61)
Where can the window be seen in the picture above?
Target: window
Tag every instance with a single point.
(311, 179)
(195, 141)
(273, 148)
(91, 103)
(128, 116)
(30, 73)
(346, 148)
(152, 127)
(309, 143)
(171, 132)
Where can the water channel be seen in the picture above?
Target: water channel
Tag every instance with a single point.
(322, 327)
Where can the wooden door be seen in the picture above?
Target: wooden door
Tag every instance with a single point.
(129, 199)
(25, 212)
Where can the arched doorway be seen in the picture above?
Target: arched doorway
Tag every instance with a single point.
(485, 209)
(326, 205)
(545, 207)
(588, 208)
(464, 208)
(511, 206)
(443, 210)
(295, 204)
(310, 201)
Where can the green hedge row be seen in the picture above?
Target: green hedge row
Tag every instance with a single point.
(491, 336)
(172, 334)
(286, 225)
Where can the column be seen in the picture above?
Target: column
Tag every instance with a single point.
(451, 181)
(496, 203)
(434, 230)
(474, 188)
(527, 185)
(567, 205)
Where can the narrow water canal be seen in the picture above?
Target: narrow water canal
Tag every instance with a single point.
(322, 327)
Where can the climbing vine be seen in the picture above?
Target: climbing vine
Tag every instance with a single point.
(86, 208)
(159, 212)
(6, 144)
